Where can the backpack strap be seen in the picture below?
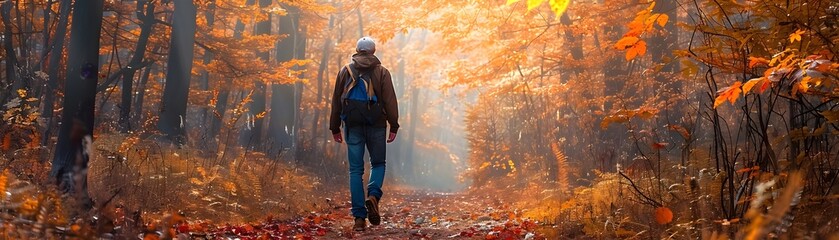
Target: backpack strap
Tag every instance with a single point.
(354, 77)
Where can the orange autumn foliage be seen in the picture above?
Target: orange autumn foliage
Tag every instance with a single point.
(7, 141)
(644, 22)
(663, 215)
(730, 94)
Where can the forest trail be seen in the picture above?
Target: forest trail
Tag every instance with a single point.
(406, 215)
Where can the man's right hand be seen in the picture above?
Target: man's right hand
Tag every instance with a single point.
(337, 137)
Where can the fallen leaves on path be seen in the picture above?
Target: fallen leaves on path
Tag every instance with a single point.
(406, 215)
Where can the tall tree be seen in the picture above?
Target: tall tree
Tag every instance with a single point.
(55, 59)
(322, 68)
(69, 167)
(283, 100)
(145, 12)
(662, 46)
(224, 89)
(252, 134)
(139, 99)
(210, 18)
(8, 46)
(178, 72)
(299, 53)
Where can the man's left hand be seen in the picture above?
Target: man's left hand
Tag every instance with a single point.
(391, 137)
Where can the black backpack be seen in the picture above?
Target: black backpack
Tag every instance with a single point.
(361, 112)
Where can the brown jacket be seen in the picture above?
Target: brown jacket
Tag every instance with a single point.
(382, 87)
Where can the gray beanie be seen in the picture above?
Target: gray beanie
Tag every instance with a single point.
(365, 44)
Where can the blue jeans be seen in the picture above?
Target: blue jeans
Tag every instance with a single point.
(359, 137)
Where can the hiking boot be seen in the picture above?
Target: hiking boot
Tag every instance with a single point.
(372, 205)
(359, 225)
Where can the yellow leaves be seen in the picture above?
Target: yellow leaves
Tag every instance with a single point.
(796, 36)
(802, 86)
(261, 115)
(531, 4)
(663, 215)
(21, 93)
(512, 165)
(729, 94)
(557, 6)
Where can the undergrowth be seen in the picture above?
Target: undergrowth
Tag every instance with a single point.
(146, 187)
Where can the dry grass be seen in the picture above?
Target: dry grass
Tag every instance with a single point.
(154, 178)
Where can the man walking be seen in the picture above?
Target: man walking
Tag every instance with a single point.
(364, 100)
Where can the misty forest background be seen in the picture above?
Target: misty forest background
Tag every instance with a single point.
(598, 118)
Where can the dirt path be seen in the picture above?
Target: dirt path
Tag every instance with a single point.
(406, 215)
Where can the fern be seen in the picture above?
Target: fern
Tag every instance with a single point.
(561, 167)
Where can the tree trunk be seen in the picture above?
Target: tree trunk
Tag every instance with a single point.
(178, 72)
(299, 53)
(326, 50)
(9, 47)
(662, 46)
(139, 53)
(614, 85)
(407, 164)
(24, 45)
(575, 44)
(72, 152)
(55, 59)
(283, 98)
(224, 90)
(137, 116)
(252, 133)
(208, 57)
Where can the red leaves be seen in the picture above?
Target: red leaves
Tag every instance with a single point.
(308, 227)
(659, 146)
(761, 83)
